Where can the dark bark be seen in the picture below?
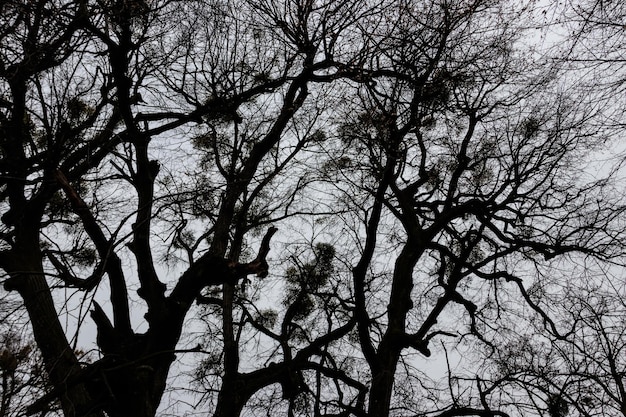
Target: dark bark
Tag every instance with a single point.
(383, 367)
(28, 279)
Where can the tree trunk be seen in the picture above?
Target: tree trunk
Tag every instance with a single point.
(59, 358)
(136, 387)
(382, 389)
(230, 399)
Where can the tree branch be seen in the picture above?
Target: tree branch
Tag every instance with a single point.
(110, 261)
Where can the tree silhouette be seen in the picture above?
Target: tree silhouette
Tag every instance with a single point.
(338, 190)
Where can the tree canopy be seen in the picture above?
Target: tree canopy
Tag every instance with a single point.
(311, 208)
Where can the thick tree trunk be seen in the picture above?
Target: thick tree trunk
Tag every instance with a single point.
(136, 387)
(381, 391)
(231, 399)
(59, 358)
(384, 365)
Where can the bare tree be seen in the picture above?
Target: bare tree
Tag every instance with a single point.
(149, 149)
(92, 92)
(471, 190)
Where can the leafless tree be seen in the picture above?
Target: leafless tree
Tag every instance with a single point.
(425, 166)
(469, 186)
(92, 92)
